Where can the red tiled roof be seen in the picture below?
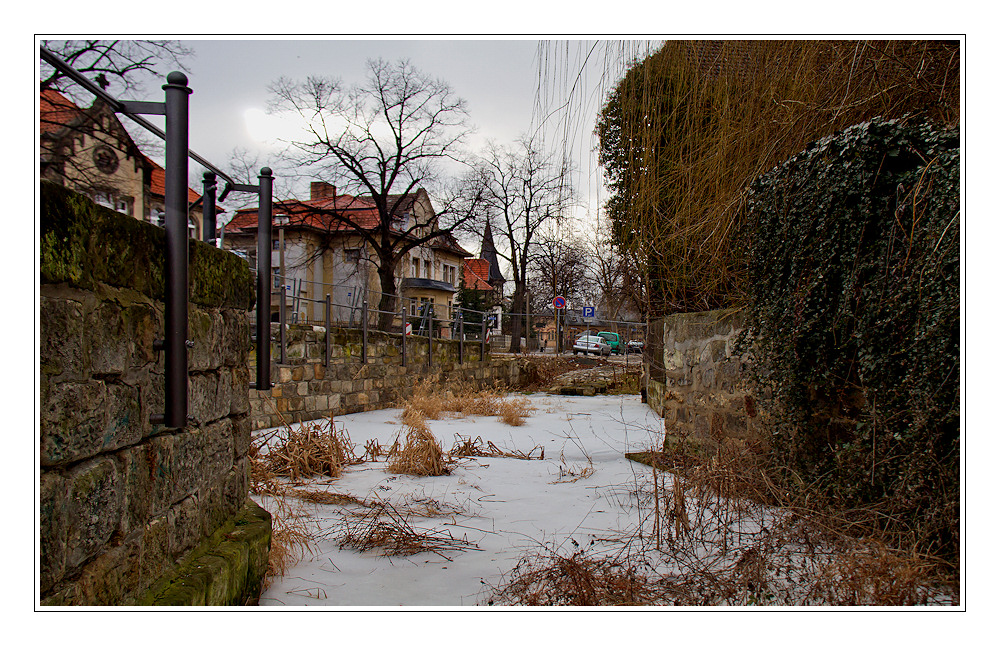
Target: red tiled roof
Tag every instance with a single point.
(316, 214)
(475, 272)
(55, 111)
(157, 183)
(313, 213)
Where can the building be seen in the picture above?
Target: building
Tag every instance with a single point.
(89, 151)
(315, 254)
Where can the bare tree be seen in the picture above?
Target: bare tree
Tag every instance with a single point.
(520, 191)
(381, 140)
(560, 265)
(618, 276)
(119, 66)
(77, 141)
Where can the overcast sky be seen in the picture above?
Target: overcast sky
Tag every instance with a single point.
(499, 79)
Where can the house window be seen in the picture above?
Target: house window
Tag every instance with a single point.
(427, 269)
(275, 244)
(352, 255)
(276, 277)
(416, 268)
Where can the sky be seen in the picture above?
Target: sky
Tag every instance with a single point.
(500, 79)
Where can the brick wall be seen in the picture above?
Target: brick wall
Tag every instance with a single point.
(123, 501)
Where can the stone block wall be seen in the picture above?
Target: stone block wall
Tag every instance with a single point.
(122, 501)
(305, 389)
(694, 378)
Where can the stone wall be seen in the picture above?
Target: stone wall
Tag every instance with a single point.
(693, 376)
(305, 389)
(124, 503)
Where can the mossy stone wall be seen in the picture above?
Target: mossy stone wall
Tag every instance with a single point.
(123, 501)
(304, 388)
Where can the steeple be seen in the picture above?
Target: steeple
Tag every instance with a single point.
(489, 252)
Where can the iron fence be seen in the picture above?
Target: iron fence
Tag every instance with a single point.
(349, 306)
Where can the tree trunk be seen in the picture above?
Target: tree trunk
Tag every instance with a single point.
(387, 302)
(517, 316)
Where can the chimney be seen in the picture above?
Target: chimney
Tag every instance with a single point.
(320, 190)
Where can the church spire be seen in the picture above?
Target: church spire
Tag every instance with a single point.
(489, 252)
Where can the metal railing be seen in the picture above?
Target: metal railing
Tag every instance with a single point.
(175, 136)
(348, 306)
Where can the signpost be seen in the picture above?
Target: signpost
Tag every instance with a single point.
(559, 303)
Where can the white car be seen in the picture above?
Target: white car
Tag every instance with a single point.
(591, 345)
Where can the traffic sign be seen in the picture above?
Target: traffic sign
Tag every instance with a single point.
(409, 329)
(559, 302)
(588, 312)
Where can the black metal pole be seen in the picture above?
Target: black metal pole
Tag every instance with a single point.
(328, 319)
(208, 208)
(402, 313)
(264, 280)
(461, 338)
(364, 328)
(282, 320)
(176, 94)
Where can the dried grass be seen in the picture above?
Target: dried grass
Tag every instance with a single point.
(576, 580)
(305, 452)
(466, 447)
(432, 401)
(419, 455)
(384, 529)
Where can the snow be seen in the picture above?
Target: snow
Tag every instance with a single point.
(504, 507)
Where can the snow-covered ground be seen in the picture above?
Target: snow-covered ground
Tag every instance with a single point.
(503, 507)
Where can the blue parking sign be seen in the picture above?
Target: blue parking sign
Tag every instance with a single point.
(588, 312)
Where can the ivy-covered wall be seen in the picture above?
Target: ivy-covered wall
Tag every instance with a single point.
(124, 502)
(851, 259)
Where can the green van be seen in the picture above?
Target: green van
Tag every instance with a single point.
(613, 340)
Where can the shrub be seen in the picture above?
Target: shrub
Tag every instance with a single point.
(851, 253)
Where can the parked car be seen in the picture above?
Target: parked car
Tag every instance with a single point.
(592, 345)
(614, 340)
(635, 347)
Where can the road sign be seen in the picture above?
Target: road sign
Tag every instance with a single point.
(409, 329)
(588, 312)
(559, 302)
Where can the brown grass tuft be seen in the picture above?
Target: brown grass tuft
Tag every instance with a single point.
(420, 455)
(383, 528)
(577, 580)
(458, 400)
(308, 451)
(466, 447)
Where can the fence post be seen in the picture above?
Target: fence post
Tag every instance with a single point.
(282, 320)
(364, 329)
(176, 93)
(264, 279)
(327, 318)
(430, 334)
(482, 343)
(208, 208)
(461, 337)
(402, 331)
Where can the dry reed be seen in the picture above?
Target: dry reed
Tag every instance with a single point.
(467, 447)
(419, 455)
(383, 528)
